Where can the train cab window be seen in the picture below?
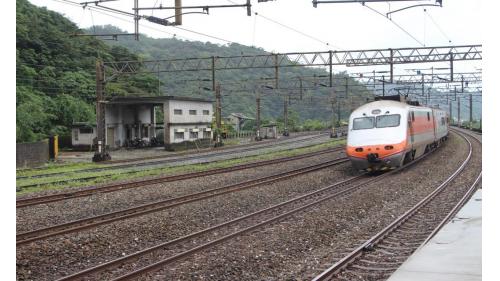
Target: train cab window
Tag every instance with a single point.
(384, 121)
(363, 123)
(413, 116)
(428, 116)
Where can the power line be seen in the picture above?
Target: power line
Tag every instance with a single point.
(100, 10)
(394, 24)
(438, 27)
(292, 28)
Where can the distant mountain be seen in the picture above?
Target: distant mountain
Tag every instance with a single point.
(55, 73)
(233, 101)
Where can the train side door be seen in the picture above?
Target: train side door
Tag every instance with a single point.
(411, 119)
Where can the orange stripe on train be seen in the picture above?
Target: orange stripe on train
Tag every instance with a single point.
(383, 150)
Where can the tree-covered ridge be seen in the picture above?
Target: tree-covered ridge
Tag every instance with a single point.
(55, 73)
(312, 106)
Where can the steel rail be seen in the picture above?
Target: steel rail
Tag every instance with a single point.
(20, 203)
(183, 153)
(87, 223)
(145, 164)
(369, 244)
(122, 260)
(462, 201)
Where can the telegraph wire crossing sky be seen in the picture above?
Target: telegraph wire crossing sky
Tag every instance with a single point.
(295, 25)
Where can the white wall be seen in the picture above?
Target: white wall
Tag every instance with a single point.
(83, 139)
(186, 128)
(185, 106)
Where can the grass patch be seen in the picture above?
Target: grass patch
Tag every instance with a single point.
(57, 168)
(112, 176)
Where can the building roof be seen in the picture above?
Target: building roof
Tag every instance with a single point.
(152, 100)
(241, 116)
(83, 125)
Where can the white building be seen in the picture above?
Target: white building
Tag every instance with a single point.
(187, 119)
(129, 118)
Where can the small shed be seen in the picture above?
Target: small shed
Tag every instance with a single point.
(82, 135)
(269, 131)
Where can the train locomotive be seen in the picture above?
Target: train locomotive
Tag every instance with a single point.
(387, 134)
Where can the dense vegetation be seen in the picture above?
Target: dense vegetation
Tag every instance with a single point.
(311, 106)
(55, 73)
(55, 76)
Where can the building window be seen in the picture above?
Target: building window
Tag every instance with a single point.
(86, 130)
(76, 134)
(206, 135)
(178, 135)
(193, 135)
(192, 112)
(206, 112)
(178, 111)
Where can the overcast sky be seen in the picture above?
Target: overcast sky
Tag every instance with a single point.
(342, 26)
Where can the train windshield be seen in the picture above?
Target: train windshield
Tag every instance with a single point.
(363, 123)
(384, 121)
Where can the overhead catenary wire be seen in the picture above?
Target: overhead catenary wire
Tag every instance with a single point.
(393, 22)
(292, 29)
(437, 26)
(99, 9)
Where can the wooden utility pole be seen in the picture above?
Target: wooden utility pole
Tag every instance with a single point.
(470, 111)
(218, 116)
(178, 12)
(451, 112)
(285, 113)
(257, 119)
(100, 153)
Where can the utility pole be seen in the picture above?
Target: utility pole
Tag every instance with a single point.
(332, 133)
(257, 100)
(383, 85)
(101, 154)
(458, 106)
(218, 109)
(178, 12)
(470, 111)
(451, 112)
(285, 113)
(136, 20)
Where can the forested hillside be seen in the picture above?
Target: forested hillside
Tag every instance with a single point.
(55, 75)
(312, 106)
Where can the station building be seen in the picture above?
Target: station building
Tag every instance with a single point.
(185, 119)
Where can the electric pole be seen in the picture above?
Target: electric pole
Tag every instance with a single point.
(100, 154)
(257, 119)
(470, 111)
(285, 113)
(218, 109)
(451, 112)
(458, 106)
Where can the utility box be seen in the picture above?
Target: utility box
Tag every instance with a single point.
(269, 131)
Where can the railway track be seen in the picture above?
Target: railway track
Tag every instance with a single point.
(139, 167)
(154, 258)
(378, 257)
(167, 159)
(78, 225)
(25, 202)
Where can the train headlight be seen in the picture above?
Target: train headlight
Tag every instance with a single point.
(389, 147)
(359, 149)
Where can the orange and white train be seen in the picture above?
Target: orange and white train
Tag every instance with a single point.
(387, 134)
